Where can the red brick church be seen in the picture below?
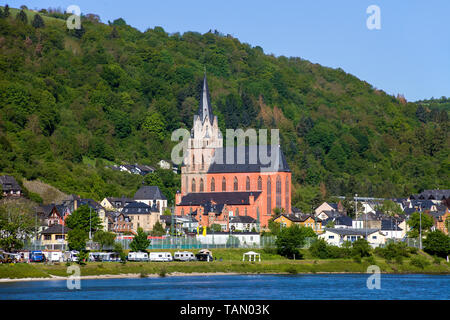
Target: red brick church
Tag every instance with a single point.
(213, 188)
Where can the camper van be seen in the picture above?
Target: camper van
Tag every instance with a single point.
(160, 256)
(55, 256)
(184, 256)
(71, 256)
(138, 256)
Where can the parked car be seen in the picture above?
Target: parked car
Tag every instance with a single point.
(204, 255)
(137, 256)
(37, 256)
(184, 256)
(160, 256)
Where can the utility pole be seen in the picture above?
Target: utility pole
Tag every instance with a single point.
(356, 206)
(420, 230)
(90, 225)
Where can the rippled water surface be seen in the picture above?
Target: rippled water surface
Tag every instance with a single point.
(236, 287)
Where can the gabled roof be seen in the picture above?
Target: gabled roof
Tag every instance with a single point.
(137, 208)
(340, 221)
(56, 229)
(237, 197)
(8, 183)
(149, 193)
(121, 202)
(351, 231)
(299, 217)
(248, 159)
(390, 224)
(242, 219)
(434, 194)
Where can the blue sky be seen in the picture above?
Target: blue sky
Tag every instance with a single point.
(409, 55)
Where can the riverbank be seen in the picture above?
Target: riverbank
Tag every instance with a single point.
(106, 270)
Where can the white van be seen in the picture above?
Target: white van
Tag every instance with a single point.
(55, 256)
(160, 256)
(138, 256)
(184, 256)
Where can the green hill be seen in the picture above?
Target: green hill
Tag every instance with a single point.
(113, 93)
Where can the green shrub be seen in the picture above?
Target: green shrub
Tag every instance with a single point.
(143, 275)
(370, 260)
(413, 250)
(419, 262)
(291, 270)
(399, 259)
(162, 272)
(357, 259)
(361, 248)
(436, 260)
(319, 249)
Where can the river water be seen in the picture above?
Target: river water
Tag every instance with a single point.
(238, 287)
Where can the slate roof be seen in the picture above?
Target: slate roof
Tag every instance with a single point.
(351, 231)
(299, 217)
(390, 224)
(56, 229)
(8, 184)
(137, 208)
(248, 159)
(149, 193)
(210, 207)
(242, 219)
(237, 197)
(435, 194)
(123, 201)
(204, 107)
(168, 219)
(340, 221)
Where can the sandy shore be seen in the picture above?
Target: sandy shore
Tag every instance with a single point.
(122, 275)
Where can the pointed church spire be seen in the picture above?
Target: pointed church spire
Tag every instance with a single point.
(205, 109)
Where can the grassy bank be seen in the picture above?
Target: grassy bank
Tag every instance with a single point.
(231, 263)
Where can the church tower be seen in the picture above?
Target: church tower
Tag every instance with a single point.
(205, 138)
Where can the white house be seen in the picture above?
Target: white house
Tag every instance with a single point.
(243, 223)
(221, 238)
(337, 236)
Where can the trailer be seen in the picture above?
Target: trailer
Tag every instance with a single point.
(137, 256)
(160, 256)
(184, 256)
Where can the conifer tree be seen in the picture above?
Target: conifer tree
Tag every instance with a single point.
(22, 17)
(6, 12)
(38, 22)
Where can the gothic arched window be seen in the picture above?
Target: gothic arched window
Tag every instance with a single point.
(269, 197)
(259, 183)
(235, 184)
(213, 185)
(237, 212)
(201, 185)
(224, 184)
(193, 185)
(287, 194)
(247, 184)
(278, 192)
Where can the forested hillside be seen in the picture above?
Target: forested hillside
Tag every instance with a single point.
(73, 100)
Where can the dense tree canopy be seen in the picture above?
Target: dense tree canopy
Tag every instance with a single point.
(113, 93)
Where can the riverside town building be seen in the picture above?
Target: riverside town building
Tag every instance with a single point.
(213, 191)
